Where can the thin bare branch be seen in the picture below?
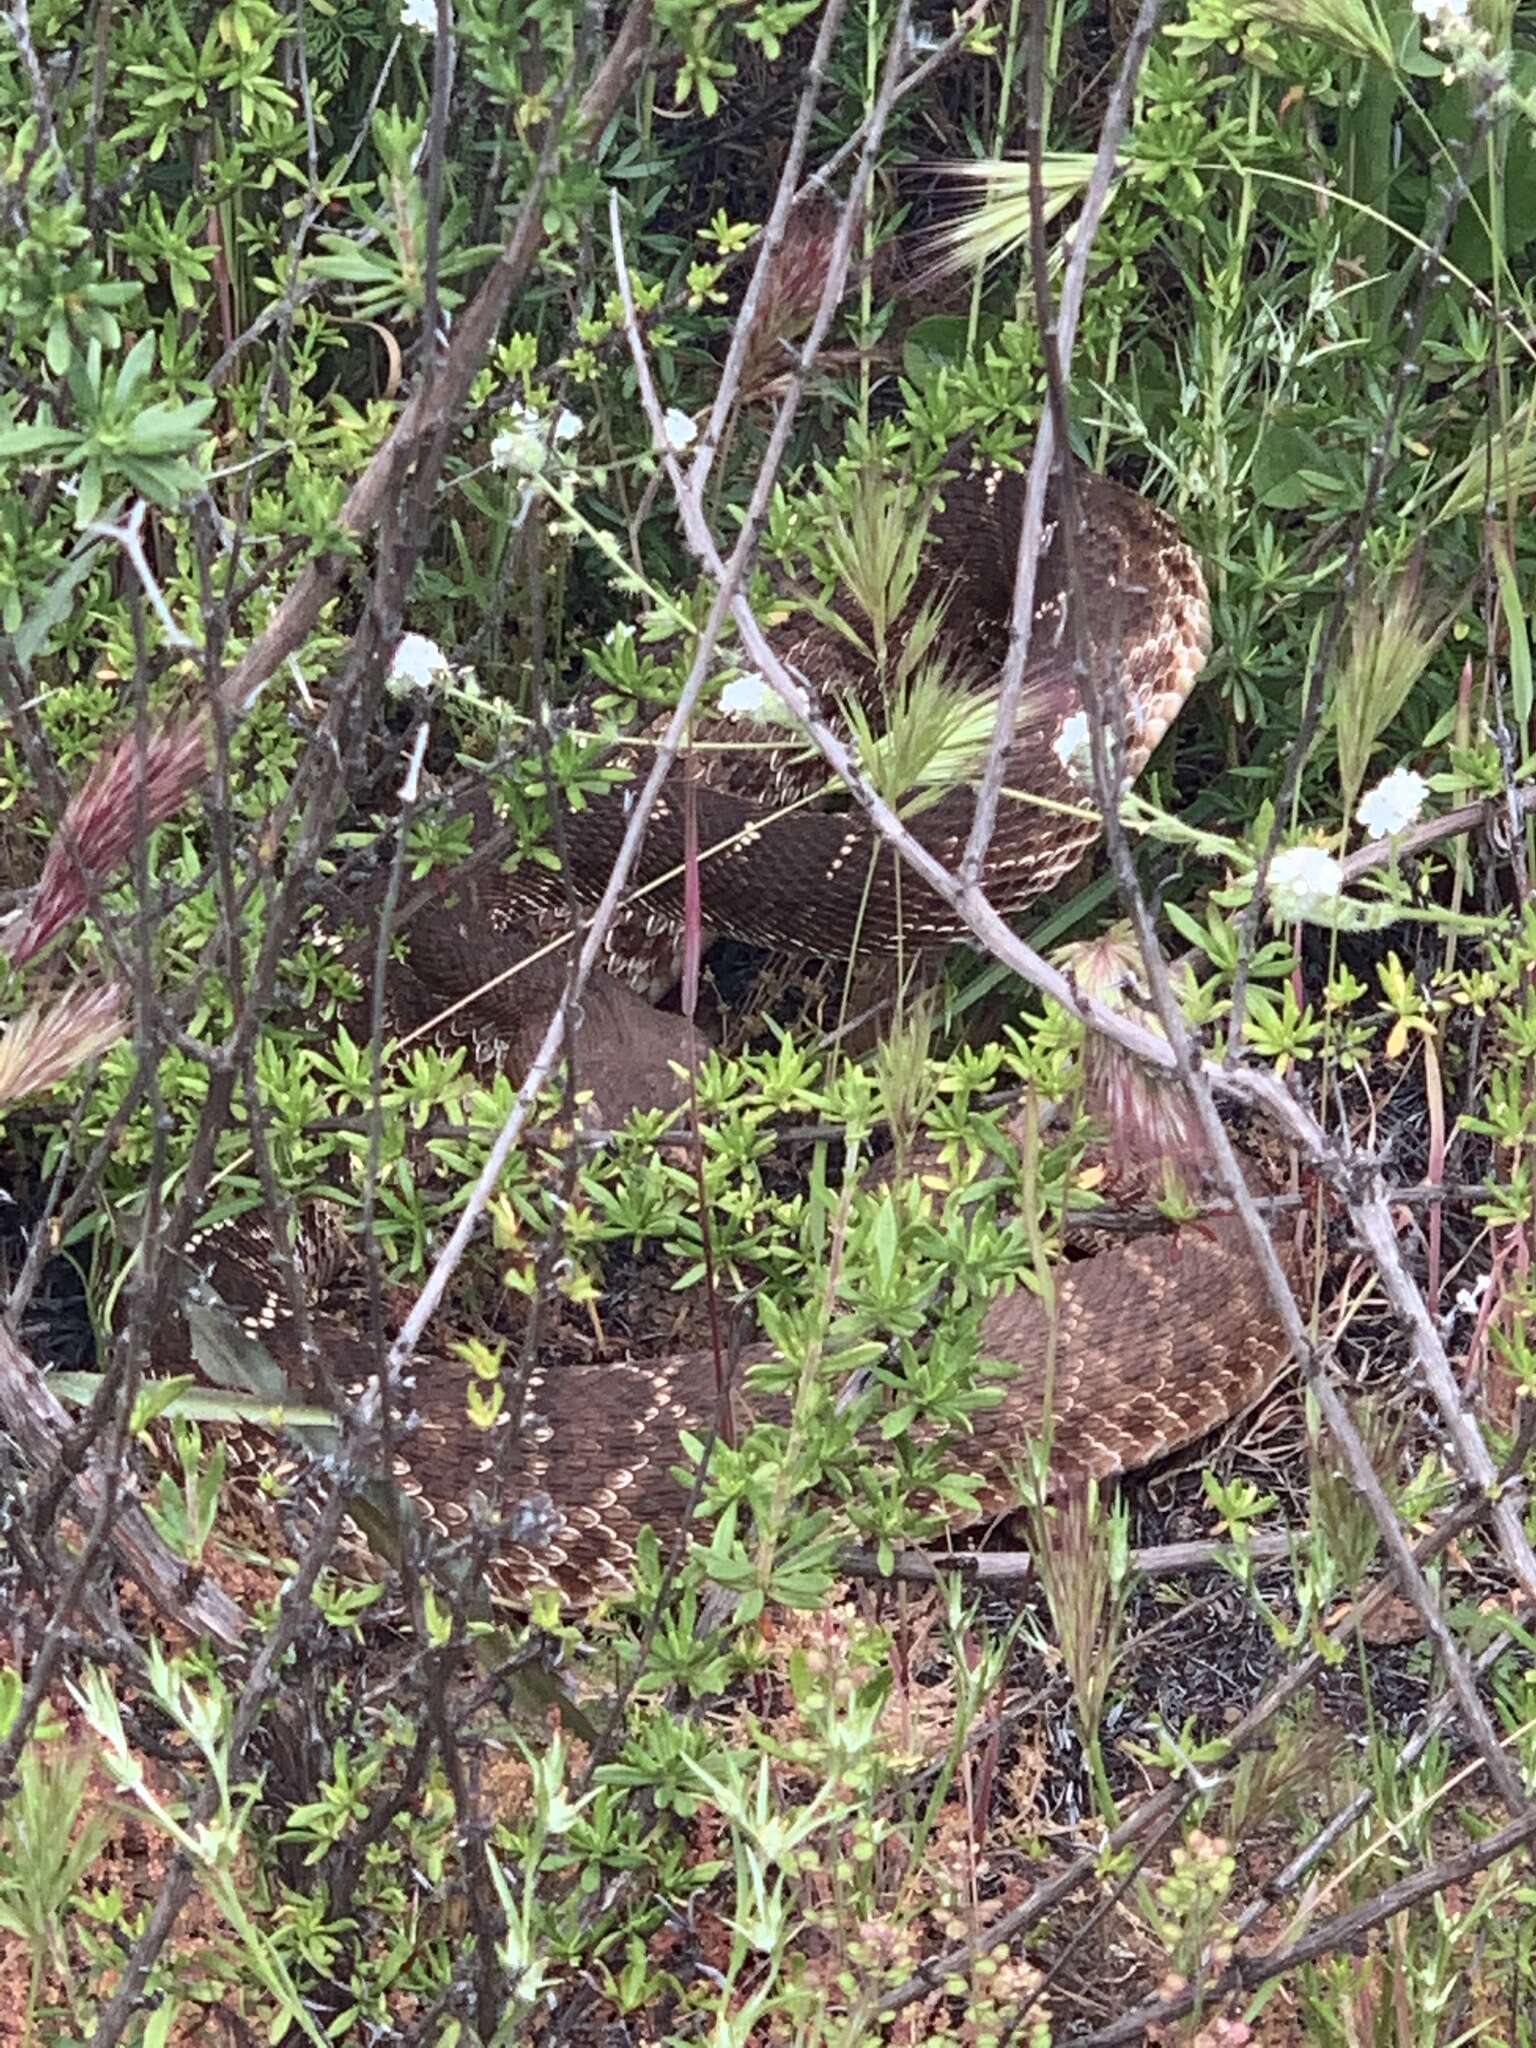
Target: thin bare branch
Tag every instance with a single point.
(768, 248)
(1431, 276)
(1154, 1812)
(1476, 1463)
(1022, 616)
(726, 598)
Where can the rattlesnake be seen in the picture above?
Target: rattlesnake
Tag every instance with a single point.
(1155, 1340)
(815, 879)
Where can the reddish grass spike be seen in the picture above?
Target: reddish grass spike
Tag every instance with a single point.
(1147, 1118)
(41, 1046)
(793, 288)
(102, 822)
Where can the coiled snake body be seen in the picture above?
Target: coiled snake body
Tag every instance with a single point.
(1155, 1340)
(816, 879)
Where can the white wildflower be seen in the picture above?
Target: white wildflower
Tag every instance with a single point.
(523, 445)
(1073, 747)
(1305, 882)
(681, 431)
(746, 696)
(1394, 804)
(420, 15)
(418, 664)
(520, 444)
(1450, 29)
(1443, 14)
(1468, 1302)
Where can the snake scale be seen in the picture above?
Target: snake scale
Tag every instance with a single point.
(1156, 1339)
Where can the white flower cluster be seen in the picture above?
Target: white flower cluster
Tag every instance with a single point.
(1305, 884)
(1441, 15)
(681, 430)
(746, 696)
(1450, 29)
(1073, 747)
(418, 663)
(525, 442)
(1394, 804)
(419, 667)
(420, 15)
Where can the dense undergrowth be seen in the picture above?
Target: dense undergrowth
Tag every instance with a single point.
(764, 1800)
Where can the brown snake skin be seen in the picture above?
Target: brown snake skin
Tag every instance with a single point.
(1156, 1340)
(816, 880)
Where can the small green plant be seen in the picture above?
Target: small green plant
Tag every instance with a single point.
(1082, 1548)
(186, 1511)
(48, 1842)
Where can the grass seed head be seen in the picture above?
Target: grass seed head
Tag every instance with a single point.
(1148, 1120)
(43, 1045)
(130, 789)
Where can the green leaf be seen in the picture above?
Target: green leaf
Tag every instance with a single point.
(883, 1241)
(348, 264)
(1515, 626)
(186, 1399)
(88, 502)
(1187, 926)
(37, 439)
(1284, 456)
(155, 1397)
(54, 606)
(137, 365)
(59, 347)
(931, 344)
(169, 429)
